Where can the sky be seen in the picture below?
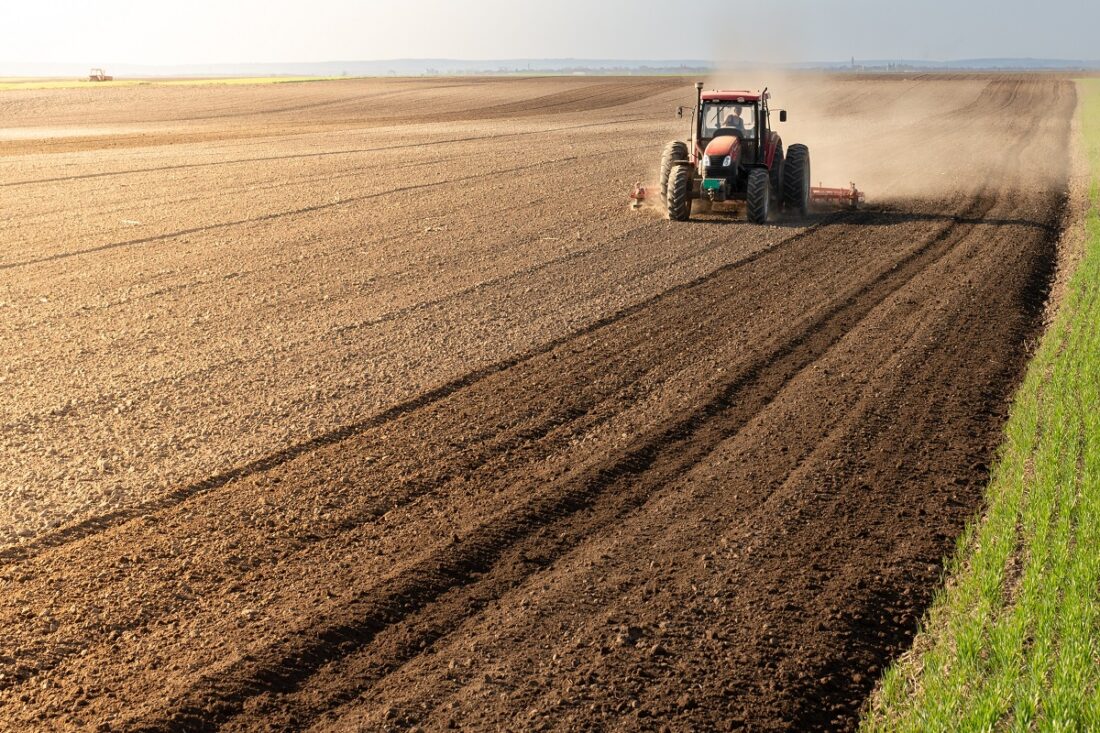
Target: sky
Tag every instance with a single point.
(236, 31)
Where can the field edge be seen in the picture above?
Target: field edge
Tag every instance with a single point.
(1010, 640)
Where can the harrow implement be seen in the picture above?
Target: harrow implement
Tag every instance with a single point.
(820, 196)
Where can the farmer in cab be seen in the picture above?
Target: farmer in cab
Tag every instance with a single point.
(734, 120)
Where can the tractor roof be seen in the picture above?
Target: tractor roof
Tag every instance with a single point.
(731, 96)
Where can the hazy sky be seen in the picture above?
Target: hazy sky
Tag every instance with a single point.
(208, 31)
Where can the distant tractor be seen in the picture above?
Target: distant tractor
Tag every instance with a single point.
(99, 75)
(735, 155)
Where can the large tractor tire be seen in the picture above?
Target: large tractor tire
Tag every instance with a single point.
(775, 175)
(796, 180)
(758, 196)
(675, 150)
(679, 193)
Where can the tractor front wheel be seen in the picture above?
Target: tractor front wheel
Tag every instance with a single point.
(758, 196)
(674, 151)
(796, 180)
(679, 193)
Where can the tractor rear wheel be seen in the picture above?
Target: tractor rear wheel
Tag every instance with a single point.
(758, 195)
(675, 150)
(796, 180)
(679, 193)
(775, 174)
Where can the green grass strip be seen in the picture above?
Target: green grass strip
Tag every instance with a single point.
(1012, 642)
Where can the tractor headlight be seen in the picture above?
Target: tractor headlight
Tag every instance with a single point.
(727, 161)
(706, 160)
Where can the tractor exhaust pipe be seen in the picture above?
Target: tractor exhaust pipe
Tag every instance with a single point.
(698, 116)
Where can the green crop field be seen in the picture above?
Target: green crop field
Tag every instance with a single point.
(1013, 641)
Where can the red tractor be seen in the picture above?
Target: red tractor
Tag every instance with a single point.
(735, 155)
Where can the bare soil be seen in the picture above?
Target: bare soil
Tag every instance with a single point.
(369, 405)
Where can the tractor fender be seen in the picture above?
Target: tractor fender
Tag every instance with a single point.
(775, 143)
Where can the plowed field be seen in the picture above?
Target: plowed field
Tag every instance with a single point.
(368, 405)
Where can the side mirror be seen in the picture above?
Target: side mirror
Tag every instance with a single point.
(680, 112)
(782, 115)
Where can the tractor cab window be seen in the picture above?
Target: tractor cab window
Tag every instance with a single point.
(719, 115)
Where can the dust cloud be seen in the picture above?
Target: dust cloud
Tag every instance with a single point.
(901, 136)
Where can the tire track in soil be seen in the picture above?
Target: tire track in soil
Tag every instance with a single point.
(300, 211)
(315, 178)
(96, 524)
(387, 649)
(238, 275)
(27, 422)
(279, 265)
(93, 525)
(528, 433)
(631, 476)
(885, 625)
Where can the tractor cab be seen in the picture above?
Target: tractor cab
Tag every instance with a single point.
(740, 114)
(727, 118)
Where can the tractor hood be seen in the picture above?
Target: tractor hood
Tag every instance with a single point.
(722, 146)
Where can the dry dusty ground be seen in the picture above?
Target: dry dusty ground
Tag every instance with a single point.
(369, 405)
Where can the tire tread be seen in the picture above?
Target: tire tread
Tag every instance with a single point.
(796, 177)
(679, 193)
(758, 195)
(675, 150)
